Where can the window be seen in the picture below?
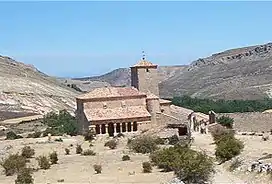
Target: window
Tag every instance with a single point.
(147, 70)
(104, 105)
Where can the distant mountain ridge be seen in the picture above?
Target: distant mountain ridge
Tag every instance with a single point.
(240, 73)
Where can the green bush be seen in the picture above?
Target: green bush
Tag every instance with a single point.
(189, 166)
(112, 144)
(235, 164)
(60, 123)
(97, 168)
(89, 136)
(28, 152)
(125, 158)
(34, 135)
(58, 140)
(78, 149)
(147, 167)
(12, 136)
(13, 164)
(143, 144)
(227, 148)
(67, 151)
(43, 162)
(173, 139)
(219, 132)
(159, 141)
(88, 152)
(24, 177)
(53, 157)
(120, 135)
(225, 121)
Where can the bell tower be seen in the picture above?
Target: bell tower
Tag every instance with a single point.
(144, 76)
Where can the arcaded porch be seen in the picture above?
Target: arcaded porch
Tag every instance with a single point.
(113, 129)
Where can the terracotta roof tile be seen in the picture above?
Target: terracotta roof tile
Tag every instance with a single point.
(99, 114)
(107, 92)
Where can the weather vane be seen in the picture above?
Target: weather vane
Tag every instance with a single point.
(143, 55)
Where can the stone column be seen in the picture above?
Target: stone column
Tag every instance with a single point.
(107, 128)
(114, 129)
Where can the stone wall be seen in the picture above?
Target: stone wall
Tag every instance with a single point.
(251, 121)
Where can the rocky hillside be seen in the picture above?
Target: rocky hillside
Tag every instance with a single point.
(26, 90)
(121, 77)
(243, 73)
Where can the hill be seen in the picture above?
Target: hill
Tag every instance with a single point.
(24, 90)
(243, 73)
(121, 77)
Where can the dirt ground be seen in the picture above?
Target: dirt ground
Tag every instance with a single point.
(76, 169)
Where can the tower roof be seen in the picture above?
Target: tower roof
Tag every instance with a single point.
(143, 63)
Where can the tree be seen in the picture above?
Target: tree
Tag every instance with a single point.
(225, 121)
(188, 165)
(61, 123)
(227, 148)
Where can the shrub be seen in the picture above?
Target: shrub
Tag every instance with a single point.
(67, 151)
(90, 145)
(144, 144)
(13, 164)
(147, 168)
(34, 135)
(159, 141)
(125, 158)
(78, 149)
(28, 152)
(189, 166)
(112, 144)
(235, 164)
(60, 123)
(120, 135)
(225, 121)
(228, 148)
(88, 152)
(43, 162)
(219, 132)
(173, 139)
(59, 140)
(53, 157)
(12, 136)
(24, 177)
(89, 136)
(97, 168)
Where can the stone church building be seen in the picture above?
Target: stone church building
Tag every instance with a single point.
(111, 110)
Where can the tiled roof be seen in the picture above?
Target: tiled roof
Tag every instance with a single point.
(99, 114)
(162, 101)
(107, 92)
(144, 63)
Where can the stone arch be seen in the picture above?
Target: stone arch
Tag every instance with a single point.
(103, 129)
(129, 126)
(124, 128)
(111, 129)
(97, 129)
(135, 126)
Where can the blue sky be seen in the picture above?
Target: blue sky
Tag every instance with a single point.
(89, 38)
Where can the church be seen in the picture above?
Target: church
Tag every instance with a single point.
(113, 110)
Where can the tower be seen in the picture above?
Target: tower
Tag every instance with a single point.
(144, 76)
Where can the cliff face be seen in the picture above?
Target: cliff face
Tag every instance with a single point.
(243, 73)
(26, 90)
